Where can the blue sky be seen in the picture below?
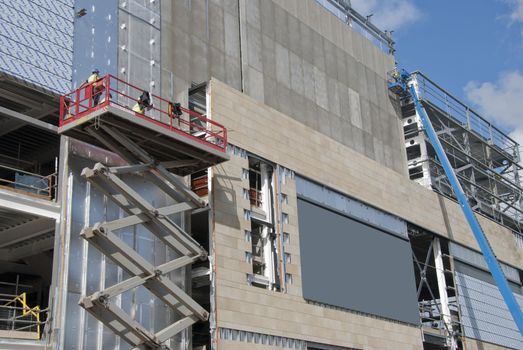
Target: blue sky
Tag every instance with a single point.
(473, 48)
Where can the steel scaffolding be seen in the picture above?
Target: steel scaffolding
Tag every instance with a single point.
(485, 160)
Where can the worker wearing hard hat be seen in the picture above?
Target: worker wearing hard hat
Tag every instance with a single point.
(95, 86)
(144, 102)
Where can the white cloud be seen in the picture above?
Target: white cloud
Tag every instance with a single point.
(500, 101)
(517, 11)
(388, 14)
(515, 16)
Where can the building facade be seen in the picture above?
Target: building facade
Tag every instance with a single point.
(318, 233)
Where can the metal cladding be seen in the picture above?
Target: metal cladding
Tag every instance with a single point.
(36, 42)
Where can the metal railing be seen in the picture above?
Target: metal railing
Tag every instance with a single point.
(343, 10)
(40, 185)
(112, 91)
(17, 315)
(465, 116)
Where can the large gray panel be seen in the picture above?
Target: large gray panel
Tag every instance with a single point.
(95, 39)
(484, 314)
(354, 266)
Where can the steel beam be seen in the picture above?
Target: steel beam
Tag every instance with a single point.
(142, 218)
(176, 237)
(146, 158)
(119, 322)
(29, 120)
(133, 263)
(29, 205)
(442, 289)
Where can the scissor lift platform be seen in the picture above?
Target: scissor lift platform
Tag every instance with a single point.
(191, 140)
(164, 139)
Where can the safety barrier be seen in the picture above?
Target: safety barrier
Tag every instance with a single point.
(465, 116)
(112, 91)
(31, 183)
(17, 316)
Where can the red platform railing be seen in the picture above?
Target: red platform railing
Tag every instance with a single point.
(111, 90)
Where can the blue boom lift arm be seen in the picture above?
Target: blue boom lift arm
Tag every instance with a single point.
(403, 82)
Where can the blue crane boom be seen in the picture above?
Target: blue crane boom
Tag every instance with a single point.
(402, 83)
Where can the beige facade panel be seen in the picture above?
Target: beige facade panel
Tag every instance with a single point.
(270, 134)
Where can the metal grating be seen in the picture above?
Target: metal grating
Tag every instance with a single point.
(484, 315)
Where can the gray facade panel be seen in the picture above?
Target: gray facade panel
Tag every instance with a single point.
(348, 264)
(95, 39)
(476, 259)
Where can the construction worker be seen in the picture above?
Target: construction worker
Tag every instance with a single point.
(95, 86)
(175, 109)
(144, 102)
(67, 108)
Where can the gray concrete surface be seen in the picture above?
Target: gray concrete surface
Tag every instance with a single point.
(303, 62)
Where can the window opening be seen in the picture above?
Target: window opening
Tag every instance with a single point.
(200, 183)
(264, 255)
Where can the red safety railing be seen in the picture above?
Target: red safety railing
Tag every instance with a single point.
(111, 90)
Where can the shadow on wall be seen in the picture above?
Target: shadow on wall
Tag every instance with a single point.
(223, 189)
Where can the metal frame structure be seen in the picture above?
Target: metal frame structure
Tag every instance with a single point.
(155, 278)
(411, 91)
(124, 132)
(22, 317)
(485, 160)
(441, 311)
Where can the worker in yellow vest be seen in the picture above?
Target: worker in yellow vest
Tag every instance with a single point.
(144, 102)
(95, 87)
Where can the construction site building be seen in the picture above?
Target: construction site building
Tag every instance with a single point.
(240, 175)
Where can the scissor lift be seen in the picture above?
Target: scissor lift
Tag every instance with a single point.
(156, 145)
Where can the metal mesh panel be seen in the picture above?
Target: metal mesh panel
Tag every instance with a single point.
(484, 314)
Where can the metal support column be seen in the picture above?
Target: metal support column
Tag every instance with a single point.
(443, 296)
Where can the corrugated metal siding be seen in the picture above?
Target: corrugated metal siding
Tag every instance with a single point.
(36, 41)
(484, 314)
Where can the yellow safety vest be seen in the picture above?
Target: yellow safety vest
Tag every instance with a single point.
(138, 109)
(93, 78)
